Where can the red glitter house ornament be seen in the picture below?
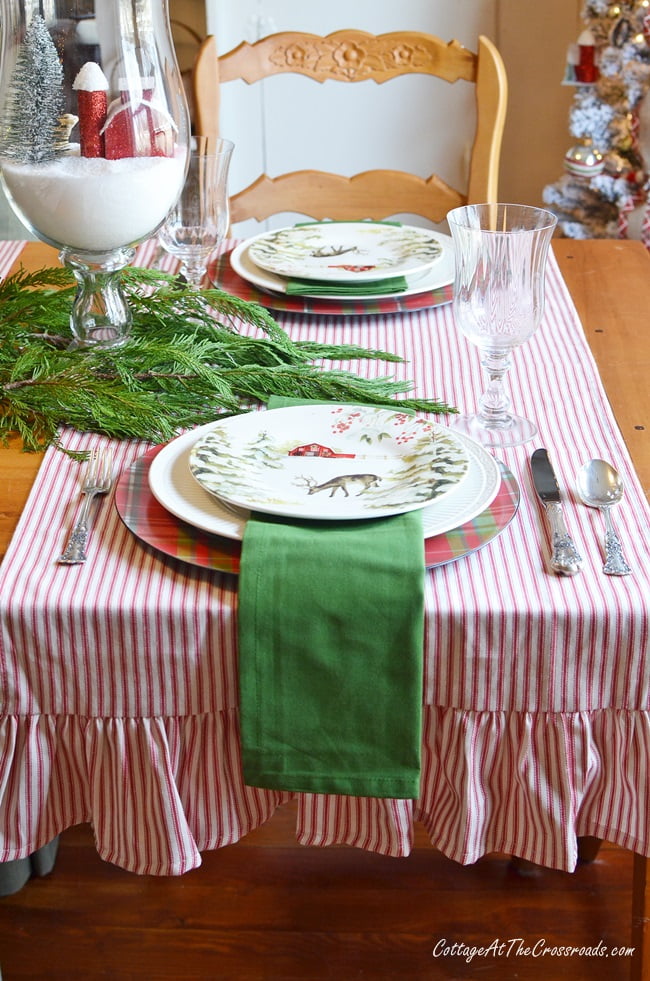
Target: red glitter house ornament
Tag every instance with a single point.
(91, 86)
(586, 70)
(138, 128)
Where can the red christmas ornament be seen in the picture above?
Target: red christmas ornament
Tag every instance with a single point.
(91, 85)
(586, 71)
(92, 116)
(141, 132)
(138, 128)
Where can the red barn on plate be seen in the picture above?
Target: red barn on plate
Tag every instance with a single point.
(317, 449)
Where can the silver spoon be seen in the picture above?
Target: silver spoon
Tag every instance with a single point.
(600, 486)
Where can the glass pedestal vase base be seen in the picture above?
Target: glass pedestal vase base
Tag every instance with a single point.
(514, 432)
(100, 315)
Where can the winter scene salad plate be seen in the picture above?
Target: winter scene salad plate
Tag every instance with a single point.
(347, 251)
(437, 276)
(172, 485)
(329, 461)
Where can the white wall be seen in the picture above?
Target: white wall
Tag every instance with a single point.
(533, 37)
(269, 138)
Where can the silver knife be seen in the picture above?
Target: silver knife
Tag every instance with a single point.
(565, 557)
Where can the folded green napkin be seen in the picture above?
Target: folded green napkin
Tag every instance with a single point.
(331, 623)
(312, 287)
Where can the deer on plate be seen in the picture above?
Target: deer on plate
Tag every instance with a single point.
(346, 482)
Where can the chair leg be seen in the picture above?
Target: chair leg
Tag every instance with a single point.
(640, 970)
(525, 869)
(588, 848)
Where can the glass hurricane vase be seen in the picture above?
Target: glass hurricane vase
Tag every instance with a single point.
(500, 253)
(94, 136)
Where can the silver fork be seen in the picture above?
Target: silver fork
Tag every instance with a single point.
(98, 479)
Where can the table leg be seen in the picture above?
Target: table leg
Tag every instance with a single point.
(588, 848)
(640, 919)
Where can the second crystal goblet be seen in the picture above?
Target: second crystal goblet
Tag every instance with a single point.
(500, 253)
(198, 222)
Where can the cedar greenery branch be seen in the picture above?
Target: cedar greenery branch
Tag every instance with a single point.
(186, 363)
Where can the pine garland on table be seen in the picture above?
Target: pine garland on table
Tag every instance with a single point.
(185, 363)
(604, 184)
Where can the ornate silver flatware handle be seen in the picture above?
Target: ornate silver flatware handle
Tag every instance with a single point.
(565, 557)
(615, 564)
(98, 480)
(75, 549)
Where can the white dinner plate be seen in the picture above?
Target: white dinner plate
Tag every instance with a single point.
(329, 462)
(345, 251)
(175, 489)
(439, 275)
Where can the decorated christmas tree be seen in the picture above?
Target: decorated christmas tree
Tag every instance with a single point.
(30, 130)
(606, 176)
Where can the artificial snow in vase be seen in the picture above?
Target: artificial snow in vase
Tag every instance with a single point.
(94, 136)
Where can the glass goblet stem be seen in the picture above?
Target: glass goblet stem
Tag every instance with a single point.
(193, 271)
(494, 404)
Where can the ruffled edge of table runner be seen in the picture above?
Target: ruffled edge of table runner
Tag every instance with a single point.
(159, 791)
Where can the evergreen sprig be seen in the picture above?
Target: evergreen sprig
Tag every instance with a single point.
(185, 363)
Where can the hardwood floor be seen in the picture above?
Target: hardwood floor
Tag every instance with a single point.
(267, 908)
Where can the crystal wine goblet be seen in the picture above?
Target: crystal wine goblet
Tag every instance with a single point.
(198, 222)
(500, 253)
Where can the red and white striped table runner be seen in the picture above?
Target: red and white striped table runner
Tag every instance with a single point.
(119, 677)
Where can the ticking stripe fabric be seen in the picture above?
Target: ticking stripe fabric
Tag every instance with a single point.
(119, 689)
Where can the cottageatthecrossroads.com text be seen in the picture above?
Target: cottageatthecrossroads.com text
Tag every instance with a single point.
(518, 947)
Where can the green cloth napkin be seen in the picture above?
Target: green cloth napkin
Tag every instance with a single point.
(307, 287)
(331, 629)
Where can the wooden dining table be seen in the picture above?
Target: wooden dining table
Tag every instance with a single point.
(609, 282)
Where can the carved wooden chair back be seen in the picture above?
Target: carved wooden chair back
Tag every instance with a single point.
(354, 56)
